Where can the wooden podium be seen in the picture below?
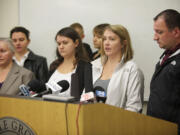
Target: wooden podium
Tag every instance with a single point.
(57, 118)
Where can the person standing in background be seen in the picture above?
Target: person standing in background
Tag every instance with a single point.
(117, 73)
(98, 38)
(164, 100)
(25, 57)
(79, 29)
(11, 75)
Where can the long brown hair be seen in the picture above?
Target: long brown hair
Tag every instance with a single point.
(79, 51)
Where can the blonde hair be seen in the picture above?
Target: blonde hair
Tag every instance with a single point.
(123, 34)
(99, 29)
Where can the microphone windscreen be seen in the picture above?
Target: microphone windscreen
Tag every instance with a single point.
(24, 90)
(99, 88)
(36, 86)
(100, 94)
(64, 84)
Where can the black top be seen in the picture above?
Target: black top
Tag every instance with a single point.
(38, 65)
(164, 101)
(1, 83)
(88, 51)
(96, 56)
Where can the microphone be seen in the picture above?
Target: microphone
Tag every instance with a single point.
(36, 86)
(32, 87)
(55, 88)
(59, 87)
(100, 94)
(24, 90)
(64, 84)
(42, 93)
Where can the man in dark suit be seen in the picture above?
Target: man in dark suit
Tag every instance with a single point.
(164, 101)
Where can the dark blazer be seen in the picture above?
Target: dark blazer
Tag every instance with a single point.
(88, 50)
(93, 55)
(38, 65)
(17, 76)
(164, 100)
(81, 79)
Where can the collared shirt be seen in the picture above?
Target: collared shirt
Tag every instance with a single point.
(23, 59)
(168, 53)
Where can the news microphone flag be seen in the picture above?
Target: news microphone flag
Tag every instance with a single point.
(87, 96)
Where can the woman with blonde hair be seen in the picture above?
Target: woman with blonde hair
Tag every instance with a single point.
(98, 31)
(117, 73)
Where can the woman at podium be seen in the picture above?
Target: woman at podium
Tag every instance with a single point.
(117, 73)
(11, 75)
(71, 63)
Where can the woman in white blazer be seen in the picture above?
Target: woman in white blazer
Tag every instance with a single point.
(116, 72)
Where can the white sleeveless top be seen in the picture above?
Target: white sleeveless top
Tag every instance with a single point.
(57, 76)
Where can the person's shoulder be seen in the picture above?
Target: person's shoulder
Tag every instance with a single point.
(21, 70)
(177, 57)
(175, 62)
(96, 61)
(132, 65)
(54, 65)
(86, 44)
(97, 64)
(83, 62)
(57, 62)
(34, 56)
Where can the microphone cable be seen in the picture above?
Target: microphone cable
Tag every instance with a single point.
(77, 117)
(67, 129)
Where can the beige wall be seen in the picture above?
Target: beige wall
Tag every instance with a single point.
(9, 16)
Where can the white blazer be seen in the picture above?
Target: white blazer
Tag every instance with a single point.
(126, 86)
